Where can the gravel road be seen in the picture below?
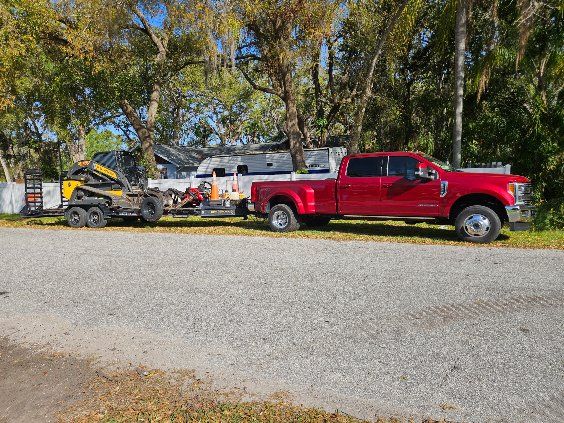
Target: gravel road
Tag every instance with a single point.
(473, 334)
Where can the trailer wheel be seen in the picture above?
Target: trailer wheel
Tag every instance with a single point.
(76, 217)
(282, 219)
(478, 224)
(95, 218)
(151, 209)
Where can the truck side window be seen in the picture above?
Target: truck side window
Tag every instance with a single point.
(362, 167)
(401, 166)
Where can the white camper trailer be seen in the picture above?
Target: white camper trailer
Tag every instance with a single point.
(322, 161)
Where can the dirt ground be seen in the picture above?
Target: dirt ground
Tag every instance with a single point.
(44, 386)
(35, 385)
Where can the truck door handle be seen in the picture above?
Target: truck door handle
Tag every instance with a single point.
(386, 185)
(345, 186)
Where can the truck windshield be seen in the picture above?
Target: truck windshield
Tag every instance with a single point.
(437, 162)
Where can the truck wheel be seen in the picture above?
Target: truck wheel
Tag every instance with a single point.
(316, 221)
(76, 217)
(95, 218)
(151, 209)
(282, 219)
(478, 224)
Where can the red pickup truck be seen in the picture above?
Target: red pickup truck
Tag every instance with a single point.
(400, 185)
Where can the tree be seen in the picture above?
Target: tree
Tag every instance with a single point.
(459, 57)
(367, 74)
(220, 107)
(136, 48)
(276, 37)
(97, 141)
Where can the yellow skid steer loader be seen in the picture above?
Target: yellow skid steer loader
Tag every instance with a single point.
(110, 185)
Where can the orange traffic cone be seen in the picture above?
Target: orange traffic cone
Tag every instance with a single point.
(235, 187)
(214, 195)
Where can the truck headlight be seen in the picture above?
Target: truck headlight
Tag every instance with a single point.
(518, 191)
(511, 189)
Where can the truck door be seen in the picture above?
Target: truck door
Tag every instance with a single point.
(403, 194)
(358, 187)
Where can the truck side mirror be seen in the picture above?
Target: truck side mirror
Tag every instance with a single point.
(424, 172)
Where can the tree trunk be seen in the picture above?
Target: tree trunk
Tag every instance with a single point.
(358, 120)
(304, 130)
(144, 135)
(292, 126)
(5, 168)
(76, 143)
(294, 136)
(460, 50)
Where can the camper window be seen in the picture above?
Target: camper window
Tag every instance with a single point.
(219, 171)
(242, 169)
(269, 164)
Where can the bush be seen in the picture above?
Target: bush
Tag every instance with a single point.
(550, 215)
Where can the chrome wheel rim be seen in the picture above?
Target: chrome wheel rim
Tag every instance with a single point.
(477, 225)
(75, 217)
(280, 219)
(94, 218)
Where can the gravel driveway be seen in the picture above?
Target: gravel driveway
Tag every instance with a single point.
(467, 333)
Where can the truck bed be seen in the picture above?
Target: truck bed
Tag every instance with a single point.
(308, 196)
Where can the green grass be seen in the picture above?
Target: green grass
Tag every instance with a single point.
(337, 230)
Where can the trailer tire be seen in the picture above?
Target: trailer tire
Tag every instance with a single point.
(283, 219)
(478, 224)
(151, 209)
(95, 218)
(316, 221)
(76, 217)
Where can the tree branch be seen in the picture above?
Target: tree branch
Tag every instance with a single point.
(259, 87)
(149, 29)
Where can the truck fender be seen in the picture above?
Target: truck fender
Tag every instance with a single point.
(483, 197)
(285, 196)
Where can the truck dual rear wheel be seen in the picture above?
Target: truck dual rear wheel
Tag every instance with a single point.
(76, 217)
(282, 219)
(151, 209)
(478, 224)
(95, 218)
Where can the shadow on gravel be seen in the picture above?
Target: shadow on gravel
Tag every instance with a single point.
(257, 226)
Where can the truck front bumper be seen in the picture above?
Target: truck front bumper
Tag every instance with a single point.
(520, 217)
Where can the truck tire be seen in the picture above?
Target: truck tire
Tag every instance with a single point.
(76, 217)
(151, 209)
(316, 221)
(95, 218)
(478, 224)
(282, 219)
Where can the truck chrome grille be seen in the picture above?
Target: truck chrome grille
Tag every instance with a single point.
(526, 193)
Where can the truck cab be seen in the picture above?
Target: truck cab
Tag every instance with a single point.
(409, 186)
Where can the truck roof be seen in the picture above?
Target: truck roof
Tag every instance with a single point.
(386, 153)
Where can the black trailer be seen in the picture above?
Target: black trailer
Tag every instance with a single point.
(176, 204)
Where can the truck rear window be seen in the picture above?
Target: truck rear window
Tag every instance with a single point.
(362, 167)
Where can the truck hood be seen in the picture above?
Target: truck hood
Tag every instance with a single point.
(494, 178)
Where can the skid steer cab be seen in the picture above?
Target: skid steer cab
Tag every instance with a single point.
(110, 185)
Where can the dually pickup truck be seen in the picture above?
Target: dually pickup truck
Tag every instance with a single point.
(408, 186)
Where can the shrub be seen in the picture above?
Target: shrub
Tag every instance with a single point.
(550, 215)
